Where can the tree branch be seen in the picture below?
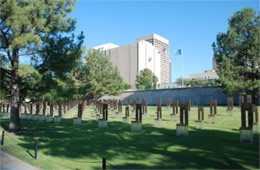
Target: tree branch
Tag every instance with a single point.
(7, 30)
(4, 35)
(26, 54)
(4, 47)
(7, 43)
(3, 20)
(32, 30)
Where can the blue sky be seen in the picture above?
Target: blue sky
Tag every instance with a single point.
(190, 25)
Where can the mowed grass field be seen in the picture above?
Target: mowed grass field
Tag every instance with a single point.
(64, 146)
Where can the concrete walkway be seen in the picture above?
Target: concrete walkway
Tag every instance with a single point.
(8, 162)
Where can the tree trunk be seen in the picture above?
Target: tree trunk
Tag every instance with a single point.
(44, 108)
(14, 124)
(83, 105)
(59, 109)
(255, 97)
(20, 110)
(37, 108)
(51, 110)
(80, 110)
(31, 108)
(64, 107)
(7, 108)
(25, 108)
(68, 105)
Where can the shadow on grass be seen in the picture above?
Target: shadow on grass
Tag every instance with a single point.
(30, 154)
(153, 148)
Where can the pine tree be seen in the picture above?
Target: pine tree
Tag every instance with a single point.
(98, 77)
(237, 55)
(26, 27)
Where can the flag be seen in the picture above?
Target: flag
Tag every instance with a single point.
(178, 52)
(163, 51)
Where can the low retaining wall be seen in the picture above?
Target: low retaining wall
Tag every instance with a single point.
(198, 95)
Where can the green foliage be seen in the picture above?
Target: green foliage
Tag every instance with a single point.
(98, 77)
(127, 86)
(3, 95)
(58, 58)
(59, 54)
(186, 81)
(197, 82)
(56, 89)
(5, 82)
(3, 60)
(30, 81)
(237, 54)
(145, 79)
(39, 86)
(27, 20)
(37, 29)
(202, 82)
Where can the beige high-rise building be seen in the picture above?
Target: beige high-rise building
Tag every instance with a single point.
(162, 44)
(132, 58)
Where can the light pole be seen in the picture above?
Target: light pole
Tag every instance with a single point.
(181, 68)
(150, 60)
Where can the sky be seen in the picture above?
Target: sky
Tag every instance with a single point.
(191, 25)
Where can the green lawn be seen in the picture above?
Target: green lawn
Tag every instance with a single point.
(64, 146)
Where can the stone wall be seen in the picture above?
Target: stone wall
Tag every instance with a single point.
(198, 95)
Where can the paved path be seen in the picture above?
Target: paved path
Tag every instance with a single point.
(8, 162)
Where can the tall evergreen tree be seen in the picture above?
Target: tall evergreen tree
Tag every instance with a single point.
(26, 28)
(98, 77)
(237, 55)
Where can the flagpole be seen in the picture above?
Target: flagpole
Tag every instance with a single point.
(150, 60)
(152, 72)
(181, 67)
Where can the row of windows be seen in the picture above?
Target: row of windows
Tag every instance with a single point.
(164, 60)
(160, 43)
(157, 42)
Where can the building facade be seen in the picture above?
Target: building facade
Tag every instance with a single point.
(106, 46)
(206, 75)
(168, 86)
(133, 58)
(162, 44)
